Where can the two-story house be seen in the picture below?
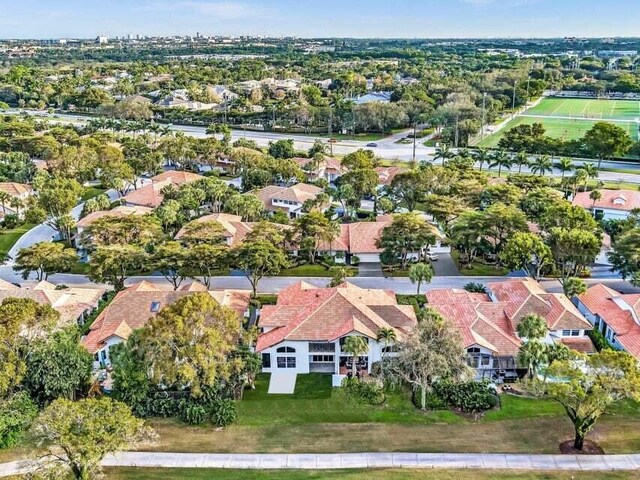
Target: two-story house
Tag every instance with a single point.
(614, 204)
(288, 199)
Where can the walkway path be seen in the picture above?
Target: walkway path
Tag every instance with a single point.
(358, 460)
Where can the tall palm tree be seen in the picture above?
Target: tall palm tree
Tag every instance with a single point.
(591, 170)
(500, 159)
(541, 165)
(595, 195)
(443, 153)
(356, 346)
(4, 198)
(565, 165)
(16, 203)
(386, 336)
(520, 159)
(481, 156)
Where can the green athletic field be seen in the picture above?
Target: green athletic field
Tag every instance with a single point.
(570, 118)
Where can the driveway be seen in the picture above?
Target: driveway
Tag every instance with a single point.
(445, 266)
(370, 270)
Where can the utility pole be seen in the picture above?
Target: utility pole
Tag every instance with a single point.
(484, 115)
(415, 128)
(457, 131)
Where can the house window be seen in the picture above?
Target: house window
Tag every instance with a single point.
(266, 360)
(390, 349)
(321, 347)
(286, 350)
(575, 333)
(155, 307)
(322, 358)
(286, 362)
(566, 333)
(473, 350)
(486, 360)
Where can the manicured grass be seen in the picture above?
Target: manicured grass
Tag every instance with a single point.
(315, 270)
(479, 269)
(587, 108)
(90, 192)
(357, 474)
(9, 237)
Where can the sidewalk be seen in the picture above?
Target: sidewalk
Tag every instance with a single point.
(359, 460)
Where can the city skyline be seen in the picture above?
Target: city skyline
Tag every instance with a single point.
(330, 18)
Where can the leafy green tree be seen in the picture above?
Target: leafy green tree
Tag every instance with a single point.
(607, 140)
(17, 412)
(573, 250)
(526, 251)
(419, 273)
(314, 229)
(141, 230)
(113, 264)
(95, 204)
(407, 189)
(594, 383)
(356, 346)
(386, 337)
(190, 341)
(625, 258)
(444, 208)
(57, 367)
(79, 434)
(57, 196)
(44, 258)
(282, 149)
(205, 260)
(407, 234)
(258, 259)
(21, 320)
(433, 350)
(171, 260)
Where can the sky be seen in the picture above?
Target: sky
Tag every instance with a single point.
(321, 18)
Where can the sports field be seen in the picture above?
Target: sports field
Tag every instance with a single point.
(570, 118)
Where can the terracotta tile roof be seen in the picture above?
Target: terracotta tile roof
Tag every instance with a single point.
(15, 189)
(150, 196)
(299, 193)
(305, 312)
(120, 211)
(235, 230)
(625, 200)
(491, 320)
(387, 174)
(579, 344)
(71, 303)
(133, 307)
(619, 311)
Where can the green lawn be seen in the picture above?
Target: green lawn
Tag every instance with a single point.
(315, 270)
(357, 474)
(587, 108)
(9, 237)
(90, 192)
(584, 114)
(479, 269)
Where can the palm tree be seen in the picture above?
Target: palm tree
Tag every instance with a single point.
(501, 159)
(565, 165)
(481, 156)
(420, 272)
(386, 336)
(580, 176)
(16, 203)
(541, 165)
(533, 351)
(356, 346)
(444, 153)
(4, 198)
(595, 195)
(521, 158)
(591, 171)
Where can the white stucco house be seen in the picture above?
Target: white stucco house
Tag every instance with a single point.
(288, 199)
(614, 204)
(306, 330)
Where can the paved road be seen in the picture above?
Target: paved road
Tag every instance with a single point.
(387, 148)
(312, 461)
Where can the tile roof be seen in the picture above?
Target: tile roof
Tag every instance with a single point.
(71, 303)
(387, 174)
(150, 196)
(299, 193)
(619, 311)
(235, 230)
(491, 320)
(15, 189)
(625, 200)
(305, 312)
(132, 309)
(120, 211)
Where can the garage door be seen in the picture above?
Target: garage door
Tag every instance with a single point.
(369, 258)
